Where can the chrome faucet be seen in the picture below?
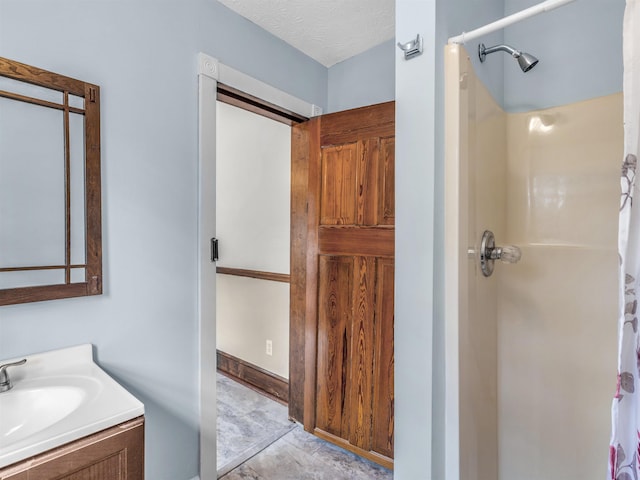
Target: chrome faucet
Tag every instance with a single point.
(5, 381)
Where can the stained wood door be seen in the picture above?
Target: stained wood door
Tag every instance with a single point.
(342, 278)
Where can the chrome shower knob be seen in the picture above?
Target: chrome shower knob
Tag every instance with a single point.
(509, 254)
(489, 253)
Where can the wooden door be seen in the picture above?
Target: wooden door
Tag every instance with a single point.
(342, 278)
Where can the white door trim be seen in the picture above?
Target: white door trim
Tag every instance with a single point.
(207, 273)
(212, 68)
(210, 71)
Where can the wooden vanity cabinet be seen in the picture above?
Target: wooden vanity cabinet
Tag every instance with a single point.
(116, 453)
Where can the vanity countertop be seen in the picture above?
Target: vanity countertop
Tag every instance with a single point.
(58, 397)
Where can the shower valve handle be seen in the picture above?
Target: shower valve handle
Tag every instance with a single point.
(489, 253)
(507, 254)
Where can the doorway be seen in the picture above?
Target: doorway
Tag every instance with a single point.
(252, 229)
(253, 163)
(347, 261)
(211, 73)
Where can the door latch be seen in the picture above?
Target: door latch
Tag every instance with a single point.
(214, 249)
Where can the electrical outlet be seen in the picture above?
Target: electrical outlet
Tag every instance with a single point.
(269, 347)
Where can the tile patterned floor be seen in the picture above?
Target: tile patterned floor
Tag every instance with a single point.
(248, 422)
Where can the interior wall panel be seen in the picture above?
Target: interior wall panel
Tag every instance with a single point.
(253, 171)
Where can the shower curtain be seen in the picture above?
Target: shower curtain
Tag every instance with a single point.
(624, 450)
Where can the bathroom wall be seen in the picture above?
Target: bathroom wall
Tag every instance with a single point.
(557, 307)
(362, 80)
(580, 50)
(458, 16)
(248, 312)
(143, 54)
(415, 207)
(253, 170)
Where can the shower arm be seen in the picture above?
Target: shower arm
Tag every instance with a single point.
(502, 48)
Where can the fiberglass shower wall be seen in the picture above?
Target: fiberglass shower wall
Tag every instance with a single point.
(531, 349)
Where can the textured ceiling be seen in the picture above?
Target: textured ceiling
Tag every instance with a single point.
(328, 31)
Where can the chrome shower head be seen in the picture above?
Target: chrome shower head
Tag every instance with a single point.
(525, 60)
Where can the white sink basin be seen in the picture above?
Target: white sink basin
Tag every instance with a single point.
(34, 408)
(58, 397)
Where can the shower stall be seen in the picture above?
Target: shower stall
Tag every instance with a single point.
(531, 348)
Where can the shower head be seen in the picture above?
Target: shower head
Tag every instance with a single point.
(525, 60)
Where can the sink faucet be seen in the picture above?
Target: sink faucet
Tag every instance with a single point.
(5, 381)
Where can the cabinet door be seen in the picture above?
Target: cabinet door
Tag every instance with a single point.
(113, 454)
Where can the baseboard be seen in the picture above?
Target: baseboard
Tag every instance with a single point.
(253, 376)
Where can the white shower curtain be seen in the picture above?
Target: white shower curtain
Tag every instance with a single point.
(624, 451)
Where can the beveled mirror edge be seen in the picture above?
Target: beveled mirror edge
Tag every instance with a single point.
(93, 187)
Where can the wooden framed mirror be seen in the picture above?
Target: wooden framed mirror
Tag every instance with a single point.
(50, 187)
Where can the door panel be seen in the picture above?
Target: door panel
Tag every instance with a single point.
(383, 398)
(368, 169)
(387, 205)
(334, 318)
(338, 193)
(377, 242)
(362, 345)
(342, 276)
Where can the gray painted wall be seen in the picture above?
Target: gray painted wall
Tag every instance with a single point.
(415, 208)
(580, 50)
(143, 55)
(239, 43)
(362, 80)
(579, 46)
(457, 16)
